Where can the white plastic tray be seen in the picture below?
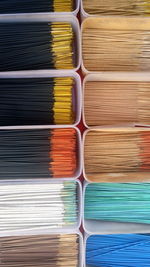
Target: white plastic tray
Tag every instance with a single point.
(85, 14)
(123, 76)
(105, 227)
(77, 94)
(79, 148)
(117, 23)
(74, 12)
(46, 230)
(52, 18)
(113, 177)
(81, 248)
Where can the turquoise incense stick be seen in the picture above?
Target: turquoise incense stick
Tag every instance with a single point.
(118, 202)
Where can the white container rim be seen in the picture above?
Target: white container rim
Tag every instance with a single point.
(83, 158)
(84, 14)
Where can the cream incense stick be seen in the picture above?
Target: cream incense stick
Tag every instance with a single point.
(117, 151)
(117, 102)
(116, 50)
(117, 7)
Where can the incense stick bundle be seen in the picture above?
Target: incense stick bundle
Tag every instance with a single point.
(118, 250)
(40, 251)
(25, 206)
(109, 48)
(114, 7)
(33, 101)
(116, 102)
(31, 6)
(117, 151)
(36, 45)
(118, 202)
(38, 153)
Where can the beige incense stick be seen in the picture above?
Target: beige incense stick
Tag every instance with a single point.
(117, 102)
(116, 151)
(117, 7)
(116, 50)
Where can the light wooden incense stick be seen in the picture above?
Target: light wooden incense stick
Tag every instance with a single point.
(114, 153)
(117, 102)
(117, 7)
(26, 206)
(40, 251)
(115, 46)
(118, 202)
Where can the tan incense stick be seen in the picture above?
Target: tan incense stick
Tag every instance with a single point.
(119, 102)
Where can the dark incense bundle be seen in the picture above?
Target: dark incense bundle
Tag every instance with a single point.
(118, 202)
(38, 153)
(117, 7)
(118, 250)
(117, 151)
(36, 45)
(31, 6)
(38, 206)
(40, 251)
(116, 46)
(35, 101)
(116, 102)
